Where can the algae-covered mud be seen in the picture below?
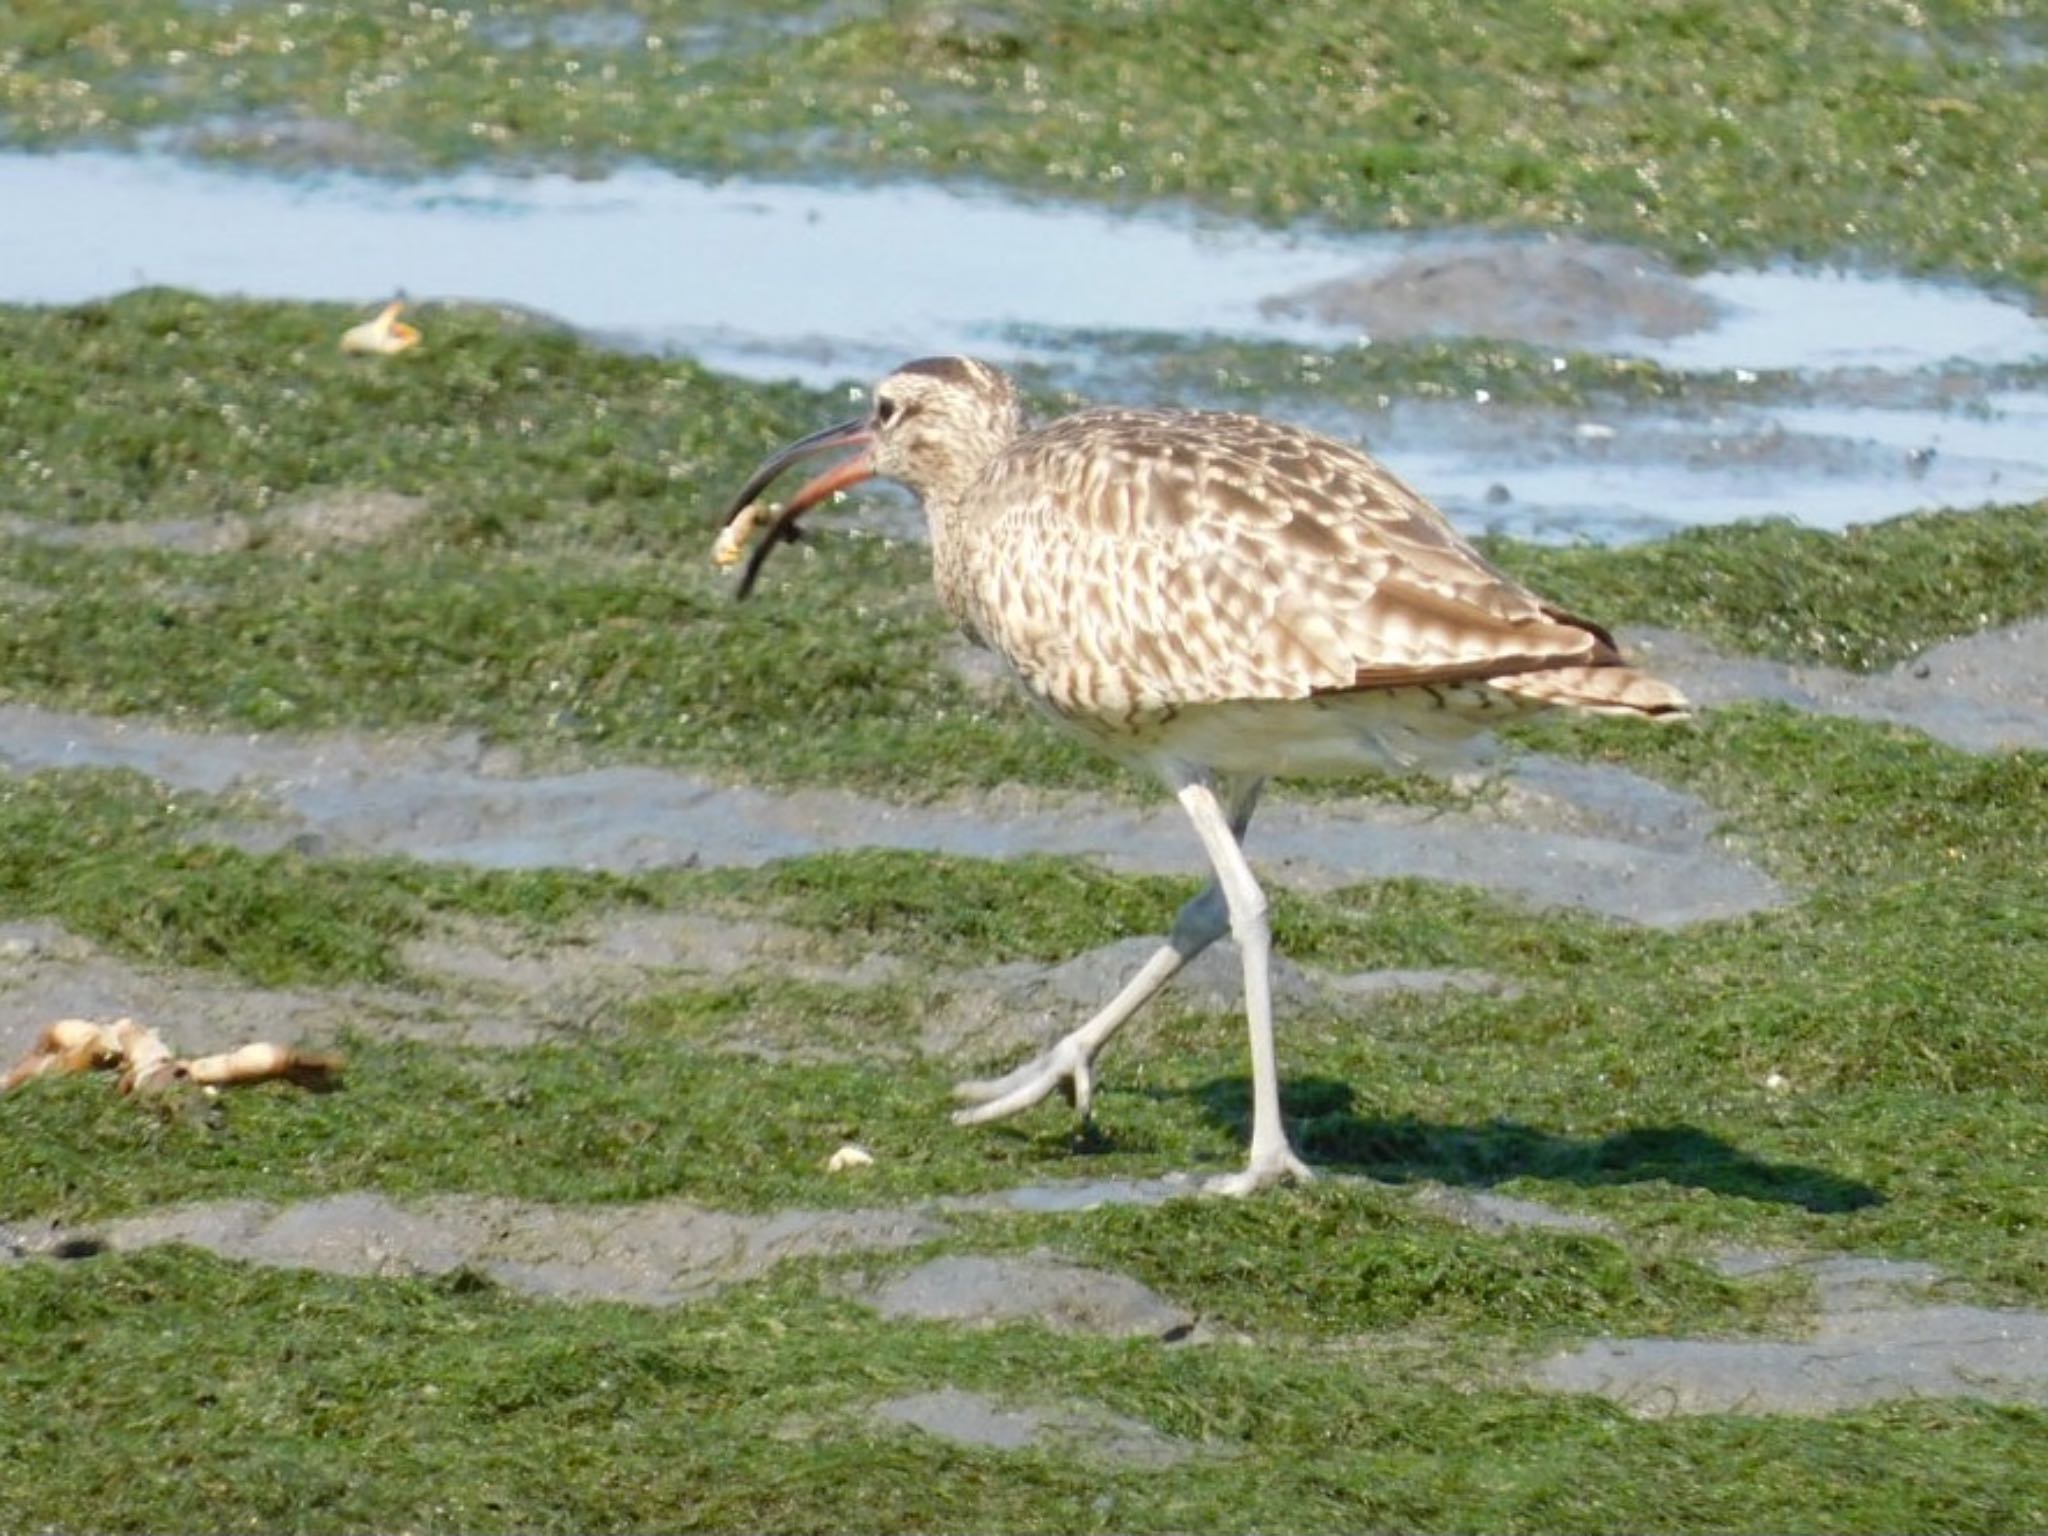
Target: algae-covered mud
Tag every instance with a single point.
(629, 906)
(1676, 1093)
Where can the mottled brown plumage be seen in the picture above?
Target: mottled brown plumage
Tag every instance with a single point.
(1216, 598)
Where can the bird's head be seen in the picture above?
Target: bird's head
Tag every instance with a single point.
(933, 425)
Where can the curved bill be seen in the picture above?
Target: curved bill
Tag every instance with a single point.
(846, 434)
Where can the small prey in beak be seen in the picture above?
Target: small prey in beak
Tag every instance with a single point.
(745, 517)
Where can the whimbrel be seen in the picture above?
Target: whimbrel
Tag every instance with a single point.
(1215, 599)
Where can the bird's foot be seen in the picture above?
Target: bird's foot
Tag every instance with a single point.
(1065, 1067)
(1276, 1167)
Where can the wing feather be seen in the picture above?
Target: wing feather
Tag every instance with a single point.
(1202, 557)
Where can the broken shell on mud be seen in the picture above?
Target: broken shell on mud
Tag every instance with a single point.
(384, 335)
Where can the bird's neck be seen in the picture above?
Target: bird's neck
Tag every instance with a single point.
(957, 506)
(954, 541)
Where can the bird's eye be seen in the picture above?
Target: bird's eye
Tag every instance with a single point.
(885, 411)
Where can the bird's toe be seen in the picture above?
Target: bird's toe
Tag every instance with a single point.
(1261, 1173)
(1064, 1069)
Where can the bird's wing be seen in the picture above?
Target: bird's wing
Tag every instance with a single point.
(1167, 558)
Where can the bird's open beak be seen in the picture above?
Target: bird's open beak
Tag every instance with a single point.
(848, 472)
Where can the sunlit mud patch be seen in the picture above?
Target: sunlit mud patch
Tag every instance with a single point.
(1879, 1338)
(1078, 1429)
(1564, 293)
(984, 1291)
(1984, 693)
(1596, 838)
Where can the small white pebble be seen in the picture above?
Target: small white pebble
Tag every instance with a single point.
(1593, 432)
(849, 1156)
(1777, 1082)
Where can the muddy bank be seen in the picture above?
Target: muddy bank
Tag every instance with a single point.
(1560, 293)
(336, 519)
(1984, 693)
(662, 1253)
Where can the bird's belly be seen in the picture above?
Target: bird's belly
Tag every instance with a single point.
(1397, 730)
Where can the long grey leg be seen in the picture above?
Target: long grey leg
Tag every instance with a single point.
(1070, 1062)
(1272, 1156)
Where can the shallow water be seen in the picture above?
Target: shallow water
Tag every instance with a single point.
(778, 279)
(827, 284)
(1615, 477)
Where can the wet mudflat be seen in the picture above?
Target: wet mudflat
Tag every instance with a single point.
(1578, 836)
(1559, 1039)
(586, 1074)
(1674, 1093)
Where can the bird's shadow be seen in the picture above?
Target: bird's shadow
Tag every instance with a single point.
(1331, 1134)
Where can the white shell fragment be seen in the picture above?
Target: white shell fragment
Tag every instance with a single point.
(849, 1156)
(382, 336)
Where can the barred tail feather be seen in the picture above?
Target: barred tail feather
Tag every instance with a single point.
(1609, 690)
